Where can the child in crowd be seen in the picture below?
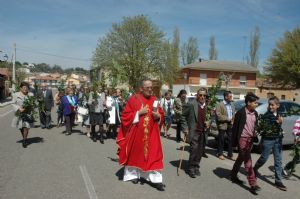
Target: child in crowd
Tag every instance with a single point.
(243, 136)
(272, 140)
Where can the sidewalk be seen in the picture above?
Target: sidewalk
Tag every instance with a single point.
(6, 102)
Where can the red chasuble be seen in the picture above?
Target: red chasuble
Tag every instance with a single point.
(139, 144)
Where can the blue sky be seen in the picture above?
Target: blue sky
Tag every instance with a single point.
(70, 29)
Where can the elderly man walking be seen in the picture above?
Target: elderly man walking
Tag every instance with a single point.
(140, 149)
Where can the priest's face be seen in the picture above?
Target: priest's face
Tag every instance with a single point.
(147, 89)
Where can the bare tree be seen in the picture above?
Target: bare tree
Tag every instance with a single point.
(254, 48)
(189, 51)
(213, 52)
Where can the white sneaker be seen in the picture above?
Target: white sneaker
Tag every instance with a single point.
(88, 134)
(285, 172)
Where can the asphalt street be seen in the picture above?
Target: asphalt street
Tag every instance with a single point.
(56, 166)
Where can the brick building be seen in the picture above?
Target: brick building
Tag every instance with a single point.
(268, 89)
(239, 78)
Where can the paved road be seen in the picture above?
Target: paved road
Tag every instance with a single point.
(56, 166)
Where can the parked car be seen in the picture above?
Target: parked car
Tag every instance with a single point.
(285, 107)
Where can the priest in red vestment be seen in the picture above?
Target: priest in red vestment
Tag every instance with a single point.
(139, 145)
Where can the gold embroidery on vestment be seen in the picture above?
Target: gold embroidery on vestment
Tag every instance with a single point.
(146, 133)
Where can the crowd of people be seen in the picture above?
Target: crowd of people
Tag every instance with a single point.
(136, 124)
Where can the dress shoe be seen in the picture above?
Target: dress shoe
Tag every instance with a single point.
(236, 180)
(221, 157)
(101, 139)
(192, 174)
(159, 186)
(280, 186)
(197, 172)
(254, 189)
(135, 181)
(24, 144)
(204, 155)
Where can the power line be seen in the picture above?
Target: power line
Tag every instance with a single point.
(27, 49)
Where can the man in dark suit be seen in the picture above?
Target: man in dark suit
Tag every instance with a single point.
(193, 122)
(46, 102)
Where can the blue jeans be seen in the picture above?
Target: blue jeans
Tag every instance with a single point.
(268, 145)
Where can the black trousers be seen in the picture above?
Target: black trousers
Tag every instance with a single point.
(221, 139)
(196, 150)
(45, 119)
(70, 119)
(178, 131)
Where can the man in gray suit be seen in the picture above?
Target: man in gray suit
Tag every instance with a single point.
(193, 122)
(225, 116)
(46, 103)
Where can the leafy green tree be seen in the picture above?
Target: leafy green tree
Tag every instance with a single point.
(213, 52)
(132, 50)
(254, 48)
(42, 67)
(57, 69)
(283, 65)
(189, 51)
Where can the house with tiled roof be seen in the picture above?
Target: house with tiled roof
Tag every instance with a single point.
(239, 78)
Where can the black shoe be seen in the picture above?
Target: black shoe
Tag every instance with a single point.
(135, 181)
(254, 189)
(197, 172)
(24, 144)
(101, 139)
(160, 186)
(280, 186)
(236, 180)
(204, 155)
(94, 139)
(192, 174)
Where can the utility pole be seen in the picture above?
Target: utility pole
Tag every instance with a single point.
(14, 68)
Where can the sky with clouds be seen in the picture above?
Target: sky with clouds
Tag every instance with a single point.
(65, 32)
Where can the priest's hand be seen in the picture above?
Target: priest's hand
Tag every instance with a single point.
(143, 110)
(156, 115)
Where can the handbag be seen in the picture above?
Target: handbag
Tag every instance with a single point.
(82, 111)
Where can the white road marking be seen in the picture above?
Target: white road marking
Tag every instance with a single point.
(4, 114)
(88, 183)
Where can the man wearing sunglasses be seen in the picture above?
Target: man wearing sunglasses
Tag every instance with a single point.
(193, 119)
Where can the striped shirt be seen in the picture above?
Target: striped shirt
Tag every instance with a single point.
(296, 129)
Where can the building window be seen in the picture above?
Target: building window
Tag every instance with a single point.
(243, 81)
(283, 97)
(203, 79)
